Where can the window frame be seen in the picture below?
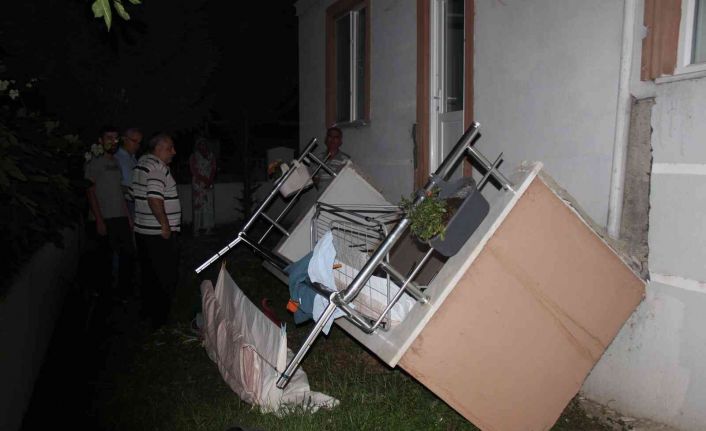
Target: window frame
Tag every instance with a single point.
(686, 40)
(333, 13)
(666, 47)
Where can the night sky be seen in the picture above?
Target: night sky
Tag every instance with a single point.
(188, 67)
(176, 65)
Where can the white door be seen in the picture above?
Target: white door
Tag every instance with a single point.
(447, 79)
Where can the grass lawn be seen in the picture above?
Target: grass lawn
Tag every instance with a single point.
(171, 384)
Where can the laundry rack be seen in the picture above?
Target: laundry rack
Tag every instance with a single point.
(357, 231)
(373, 230)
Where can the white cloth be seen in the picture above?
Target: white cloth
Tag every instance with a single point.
(320, 304)
(374, 296)
(321, 263)
(321, 271)
(251, 351)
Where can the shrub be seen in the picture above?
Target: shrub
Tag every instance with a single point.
(41, 186)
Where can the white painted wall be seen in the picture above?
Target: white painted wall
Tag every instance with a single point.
(656, 368)
(546, 80)
(383, 148)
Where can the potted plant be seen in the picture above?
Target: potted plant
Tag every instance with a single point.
(448, 215)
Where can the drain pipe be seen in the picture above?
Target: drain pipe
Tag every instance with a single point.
(622, 121)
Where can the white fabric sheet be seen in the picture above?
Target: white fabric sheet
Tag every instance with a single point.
(251, 351)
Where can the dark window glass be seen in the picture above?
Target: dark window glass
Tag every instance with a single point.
(360, 66)
(698, 50)
(453, 56)
(343, 68)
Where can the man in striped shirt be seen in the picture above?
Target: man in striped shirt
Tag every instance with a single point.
(157, 222)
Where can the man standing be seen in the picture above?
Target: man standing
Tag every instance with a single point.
(336, 158)
(127, 161)
(109, 210)
(157, 221)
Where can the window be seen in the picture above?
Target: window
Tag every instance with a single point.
(695, 32)
(348, 62)
(675, 43)
(453, 55)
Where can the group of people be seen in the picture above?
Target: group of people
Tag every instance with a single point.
(135, 211)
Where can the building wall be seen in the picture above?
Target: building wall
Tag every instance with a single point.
(383, 148)
(656, 367)
(546, 81)
(546, 85)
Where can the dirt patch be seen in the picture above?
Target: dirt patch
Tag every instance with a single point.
(615, 421)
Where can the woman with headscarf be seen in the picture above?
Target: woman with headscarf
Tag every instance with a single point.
(203, 171)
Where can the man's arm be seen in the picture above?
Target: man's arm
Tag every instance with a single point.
(96, 210)
(157, 207)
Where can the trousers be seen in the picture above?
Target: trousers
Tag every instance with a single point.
(160, 275)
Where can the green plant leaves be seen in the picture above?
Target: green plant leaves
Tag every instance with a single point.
(120, 9)
(427, 218)
(40, 171)
(28, 203)
(101, 8)
(8, 166)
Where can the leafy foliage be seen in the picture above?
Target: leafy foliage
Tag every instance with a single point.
(427, 218)
(102, 9)
(40, 165)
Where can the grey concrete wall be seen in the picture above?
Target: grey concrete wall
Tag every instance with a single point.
(383, 148)
(27, 317)
(655, 368)
(546, 81)
(634, 223)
